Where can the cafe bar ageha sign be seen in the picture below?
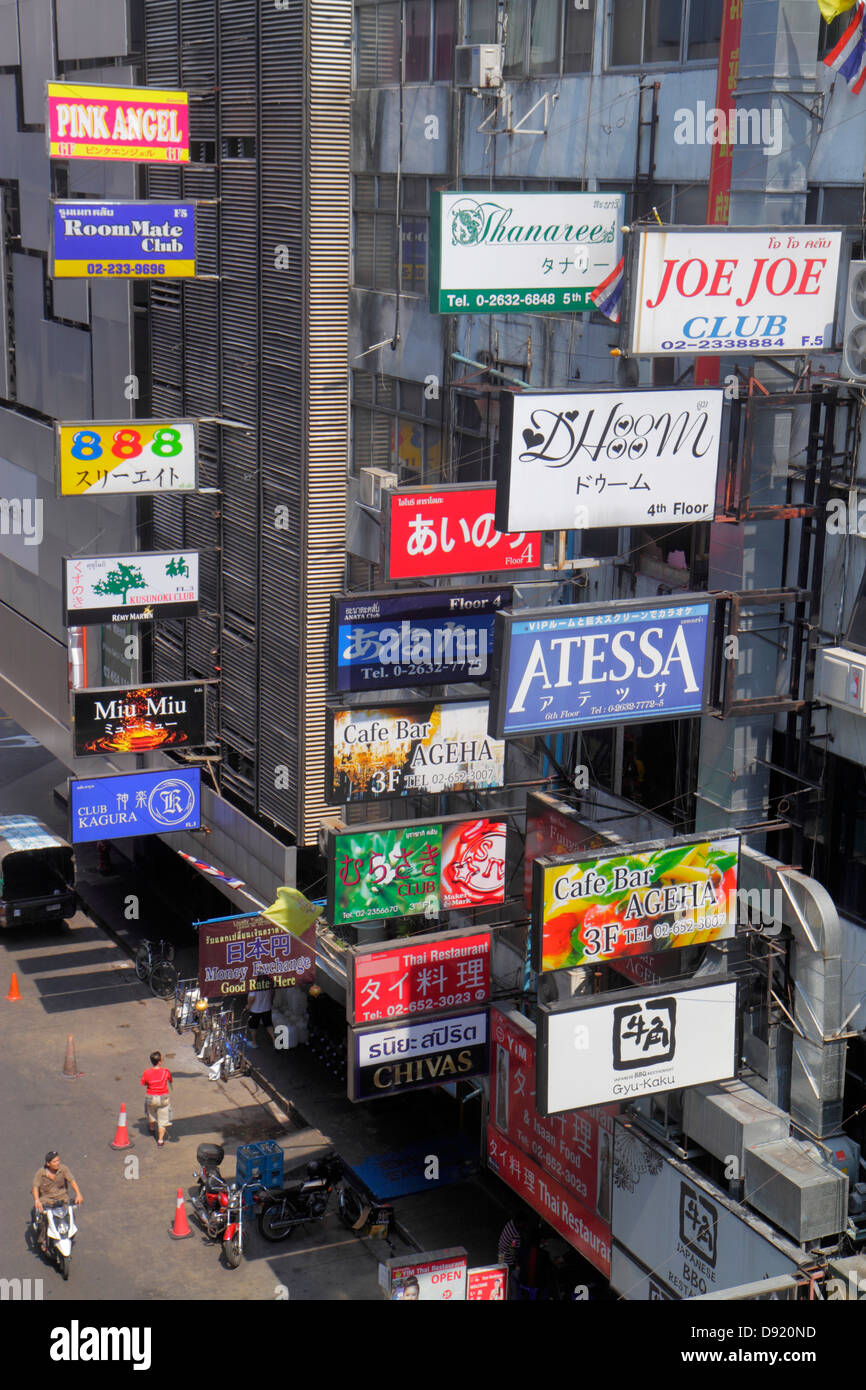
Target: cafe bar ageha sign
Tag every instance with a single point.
(415, 637)
(434, 532)
(136, 458)
(89, 121)
(122, 241)
(596, 664)
(593, 907)
(537, 253)
(409, 869)
(756, 291)
(120, 588)
(137, 719)
(607, 458)
(399, 750)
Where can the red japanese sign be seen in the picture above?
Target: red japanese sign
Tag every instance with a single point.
(431, 532)
(434, 972)
(488, 1283)
(558, 1164)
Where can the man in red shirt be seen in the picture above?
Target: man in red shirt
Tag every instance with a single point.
(158, 1080)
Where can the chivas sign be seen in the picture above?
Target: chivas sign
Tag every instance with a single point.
(119, 588)
(137, 719)
(421, 637)
(607, 458)
(592, 665)
(409, 1056)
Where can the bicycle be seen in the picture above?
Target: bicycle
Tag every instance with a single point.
(153, 966)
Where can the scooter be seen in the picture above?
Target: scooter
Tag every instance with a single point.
(301, 1199)
(218, 1206)
(60, 1232)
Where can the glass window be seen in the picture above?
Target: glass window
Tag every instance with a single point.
(662, 20)
(444, 38)
(515, 37)
(577, 48)
(664, 31)
(830, 34)
(417, 24)
(842, 206)
(626, 33)
(705, 30)
(691, 205)
(544, 35)
(377, 30)
(481, 25)
(388, 437)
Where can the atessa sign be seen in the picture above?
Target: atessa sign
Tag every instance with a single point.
(432, 532)
(759, 291)
(443, 971)
(90, 121)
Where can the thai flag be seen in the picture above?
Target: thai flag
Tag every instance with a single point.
(212, 870)
(848, 58)
(607, 296)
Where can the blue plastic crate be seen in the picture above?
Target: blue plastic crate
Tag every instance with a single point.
(265, 1157)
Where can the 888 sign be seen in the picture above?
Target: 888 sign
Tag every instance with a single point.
(140, 457)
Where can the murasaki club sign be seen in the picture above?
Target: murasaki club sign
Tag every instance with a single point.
(92, 121)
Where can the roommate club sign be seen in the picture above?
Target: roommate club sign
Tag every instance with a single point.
(137, 719)
(122, 240)
(593, 665)
(607, 458)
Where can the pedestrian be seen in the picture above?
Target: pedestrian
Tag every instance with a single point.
(157, 1101)
(258, 1006)
(51, 1185)
(511, 1243)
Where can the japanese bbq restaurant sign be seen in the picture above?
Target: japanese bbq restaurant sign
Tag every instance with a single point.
(431, 532)
(756, 291)
(132, 123)
(561, 1166)
(535, 253)
(437, 972)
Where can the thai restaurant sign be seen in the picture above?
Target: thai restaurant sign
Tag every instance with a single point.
(594, 664)
(635, 899)
(537, 253)
(607, 458)
(92, 121)
(560, 1166)
(758, 291)
(435, 532)
(422, 976)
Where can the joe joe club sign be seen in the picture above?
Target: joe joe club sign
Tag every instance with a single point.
(430, 532)
(435, 972)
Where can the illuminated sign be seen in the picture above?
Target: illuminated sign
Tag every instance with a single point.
(92, 121)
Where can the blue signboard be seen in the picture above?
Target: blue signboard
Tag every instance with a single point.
(421, 637)
(122, 241)
(135, 803)
(591, 665)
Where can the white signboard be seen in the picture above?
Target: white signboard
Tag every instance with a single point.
(635, 1045)
(120, 588)
(687, 1237)
(762, 292)
(607, 458)
(531, 252)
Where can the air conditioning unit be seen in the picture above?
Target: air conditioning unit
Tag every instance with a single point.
(478, 65)
(854, 332)
(840, 678)
(373, 482)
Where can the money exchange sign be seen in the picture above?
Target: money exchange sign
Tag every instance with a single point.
(410, 869)
(135, 457)
(123, 241)
(431, 532)
(237, 954)
(90, 121)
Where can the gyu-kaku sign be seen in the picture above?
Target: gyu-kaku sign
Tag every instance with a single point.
(122, 241)
(92, 121)
(116, 457)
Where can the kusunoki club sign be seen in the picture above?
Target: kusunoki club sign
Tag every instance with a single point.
(531, 252)
(619, 663)
(122, 240)
(126, 457)
(92, 121)
(607, 458)
(431, 532)
(120, 588)
(593, 907)
(410, 869)
(710, 291)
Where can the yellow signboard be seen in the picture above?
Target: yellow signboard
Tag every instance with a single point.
(137, 457)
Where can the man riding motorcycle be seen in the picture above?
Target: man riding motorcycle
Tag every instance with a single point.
(51, 1185)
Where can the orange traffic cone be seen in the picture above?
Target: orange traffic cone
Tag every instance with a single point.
(121, 1139)
(14, 991)
(70, 1063)
(180, 1230)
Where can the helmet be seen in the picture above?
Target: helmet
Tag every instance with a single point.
(201, 1005)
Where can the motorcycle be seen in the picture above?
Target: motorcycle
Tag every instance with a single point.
(362, 1213)
(218, 1206)
(301, 1199)
(60, 1232)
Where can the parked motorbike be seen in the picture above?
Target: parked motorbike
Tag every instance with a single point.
(60, 1232)
(304, 1197)
(218, 1206)
(362, 1213)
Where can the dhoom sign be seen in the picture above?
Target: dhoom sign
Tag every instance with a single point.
(758, 291)
(96, 122)
(593, 665)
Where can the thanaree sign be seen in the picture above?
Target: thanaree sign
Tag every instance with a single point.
(510, 252)
(607, 458)
(756, 291)
(92, 121)
(120, 588)
(433, 532)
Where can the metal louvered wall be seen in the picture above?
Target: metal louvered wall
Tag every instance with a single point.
(265, 345)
